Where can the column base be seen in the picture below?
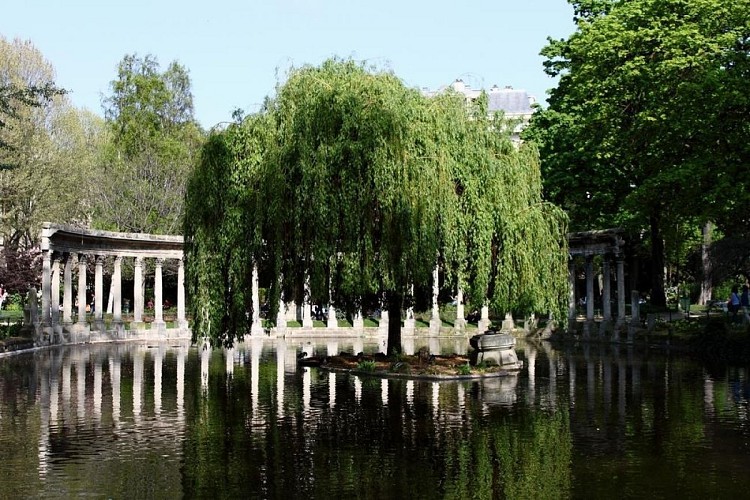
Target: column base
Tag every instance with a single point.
(159, 328)
(256, 330)
(484, 324)
(460, 325)
(435, 324)
(508, 324)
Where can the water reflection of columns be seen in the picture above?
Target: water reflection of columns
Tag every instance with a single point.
(623, 387)
(97, 389)
(44, 417)
(607, 383)
(54, 393)
(590, 380)
(280, 365)
(114, 375)
(81, 386)
(181, 353)
(331, 389)
(138, 359)
(256, 345)
(708, 396)
(66, 390)
(531, 361)
(306, 382)
(435, 400)
(357, 389)
(229, 362)
(158, 360)
(205, 355)
(384, 391)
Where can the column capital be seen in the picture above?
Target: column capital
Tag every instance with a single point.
(159, 261)
(82, 258)
(139, 261)
(99, 260)
(118, 259)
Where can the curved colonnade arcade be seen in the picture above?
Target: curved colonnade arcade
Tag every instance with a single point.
(66, 249)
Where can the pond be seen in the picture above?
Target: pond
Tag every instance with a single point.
(171, 421)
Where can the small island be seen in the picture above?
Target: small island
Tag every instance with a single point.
(493, 355)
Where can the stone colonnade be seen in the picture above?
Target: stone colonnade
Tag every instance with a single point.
(65, 248)
(609, 245)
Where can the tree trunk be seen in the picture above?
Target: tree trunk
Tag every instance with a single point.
(706, 282)
(658, 297)
(395, 301)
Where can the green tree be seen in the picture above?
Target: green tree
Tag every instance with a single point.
(646, 127)
(361, 185)
(47, 148)
(153, 140)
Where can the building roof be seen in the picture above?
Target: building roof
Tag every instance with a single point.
(512, 102)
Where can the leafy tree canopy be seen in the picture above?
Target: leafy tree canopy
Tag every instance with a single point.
(46, 147)
(152, 146)
(361, 185)
(647, 126)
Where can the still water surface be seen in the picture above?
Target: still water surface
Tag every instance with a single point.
(170, 421)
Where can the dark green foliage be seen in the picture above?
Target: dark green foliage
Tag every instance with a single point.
(647, 128)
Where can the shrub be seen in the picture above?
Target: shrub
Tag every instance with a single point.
(464, 369)
(366, 365)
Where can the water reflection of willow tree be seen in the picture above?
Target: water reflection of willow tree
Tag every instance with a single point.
(379, 438)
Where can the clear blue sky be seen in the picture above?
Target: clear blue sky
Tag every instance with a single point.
(233, 48)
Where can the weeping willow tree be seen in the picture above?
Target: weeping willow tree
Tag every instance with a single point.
(223, 230)
(349, 185)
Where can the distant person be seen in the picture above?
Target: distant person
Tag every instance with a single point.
(745, 301)
(734, 303)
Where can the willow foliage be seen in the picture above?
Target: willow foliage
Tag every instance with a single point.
(362, 185)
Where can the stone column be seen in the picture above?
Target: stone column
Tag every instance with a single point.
(138, 291)
(589, 288)
(409, 320)
(98, 293)
(281, 314)
(56, 295)
(460, 323)
(181, 321)
(117, 296)
(307, 321)
(158, 299)
(606, 293)
(620, 288)
(81, 289)
(358, 322)
(484, 319)
(571, 289)
(46, 287)
(68, 290)
(383, 323)
(435, 321)
(256, 328)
